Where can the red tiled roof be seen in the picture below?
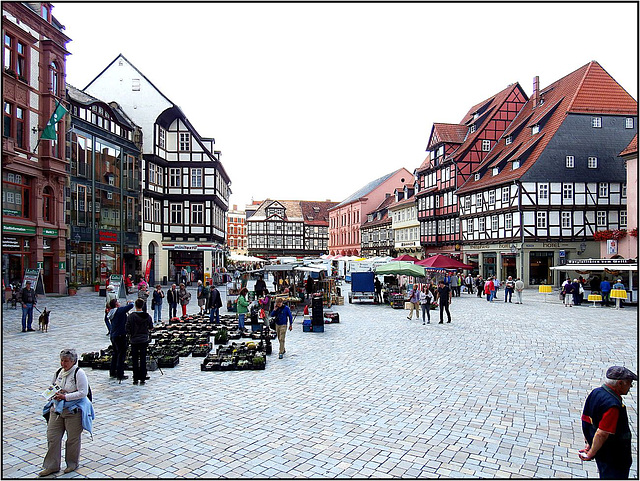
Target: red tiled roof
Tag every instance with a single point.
(632, 148)
(447, 133)
(600, 93)
(559, 98)
(316, 213)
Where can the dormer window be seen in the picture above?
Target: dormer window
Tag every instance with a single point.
(472, 128)
(515, 164)
(475, 115)
(476, 177)
(495, 171)
(486, 145)
(370, 217)
(596, 122)
(45, 13)
(535, 129)
(508, 139)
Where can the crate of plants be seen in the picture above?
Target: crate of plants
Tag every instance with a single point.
(168, 360)
(201, 350)
(87, 359)
(221, 336)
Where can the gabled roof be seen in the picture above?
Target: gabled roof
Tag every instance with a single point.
(402, 202)
(562, 97)
(367, 189)
(632, 148)
(308, 212)
(447, 133)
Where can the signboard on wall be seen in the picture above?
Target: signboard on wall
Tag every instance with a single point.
(612, 246)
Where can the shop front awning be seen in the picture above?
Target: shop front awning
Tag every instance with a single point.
(310, 269)
(280, 267)
(596, 267)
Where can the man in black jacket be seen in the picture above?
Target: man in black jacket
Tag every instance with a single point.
(605, 425)
(139, 326)
(214, 304)
(172, 300)
(119, 338)
(29, 299)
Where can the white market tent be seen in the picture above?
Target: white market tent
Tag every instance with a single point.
(243, 258)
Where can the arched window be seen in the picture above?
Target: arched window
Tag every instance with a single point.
(53, 78)
(47, 204)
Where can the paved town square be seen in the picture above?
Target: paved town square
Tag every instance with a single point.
(496, 393)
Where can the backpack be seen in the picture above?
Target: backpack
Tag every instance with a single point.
(205, 293)
(75, 379)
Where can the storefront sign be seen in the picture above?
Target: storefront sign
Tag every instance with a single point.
(137, 252)
(10, 243)
(50, 232)
(561, 253)
(105, 236)
(408, 244)
(601, 261)
(35, 277)
(62, 265)
(19, 229)
(116, 281)
(184, 247)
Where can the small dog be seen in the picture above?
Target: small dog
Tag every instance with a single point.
(43, 321)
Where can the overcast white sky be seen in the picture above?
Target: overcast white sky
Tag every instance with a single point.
(313, 101)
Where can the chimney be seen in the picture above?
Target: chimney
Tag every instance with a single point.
(536, 91)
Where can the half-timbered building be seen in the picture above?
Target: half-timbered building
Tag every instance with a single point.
(289, 228)
(552, 180)
(237, 231)
(376, 231)
(455, 150)
(185, 188)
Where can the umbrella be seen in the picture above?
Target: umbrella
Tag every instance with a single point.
(442, 262)
(405, 257)
(401, 268)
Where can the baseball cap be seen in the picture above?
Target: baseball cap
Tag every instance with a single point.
(620, 372)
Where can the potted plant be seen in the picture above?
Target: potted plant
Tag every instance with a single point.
(73, 288)
(96, 285)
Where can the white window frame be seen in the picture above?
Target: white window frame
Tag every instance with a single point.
(628, 123)
(492, 197)
(541, 219)
(565, 220)
(508, 220)
(481, 224)
(486, 145)
(570, 161)
(175, 217)
(157, 208)
(469, 226)
(197, 214)
(601, 218)
(603, 189)
(543, 191)
(505, 194)
(592, 162)
(596, 122)
(185, 142)
(515, 164)
(175, 176)
(162, 136)
(494, 222)
(478, 199)
(196, 177)
(508, 139)
(535, 129)
(567, 191)
(623, 219)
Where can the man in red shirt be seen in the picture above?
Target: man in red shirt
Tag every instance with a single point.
(606, 427)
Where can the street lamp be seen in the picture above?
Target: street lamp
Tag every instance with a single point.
(582, 248)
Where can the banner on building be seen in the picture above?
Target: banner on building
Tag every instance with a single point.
(612, 246)
(147, 271)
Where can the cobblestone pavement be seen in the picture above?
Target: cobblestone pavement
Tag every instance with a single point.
(496, 393)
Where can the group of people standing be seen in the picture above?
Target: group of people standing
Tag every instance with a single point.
(421, 300)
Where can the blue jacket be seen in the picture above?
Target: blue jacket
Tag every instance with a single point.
(605, 286)
(282, 314)
(119, 320)
(84, 405)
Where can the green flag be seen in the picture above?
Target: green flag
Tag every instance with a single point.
(49, 132)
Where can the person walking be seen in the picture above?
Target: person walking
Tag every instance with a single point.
(242, 307)
(29, 299)
(620, 285)
(577, 296)
(605, 425)
(454, 284)
(184, 296)
(202, 296)
(443, 295)
(139, 326)
(509, 287)
(119, 338)
(69, 411)
(414, 299)
(479, 285)
(214, 304)
(496, 287)
(309, 286)
(283, 316)
(183, 275)
(172, 300)
(426, 298)
(156, 303)
(261, 287)
(519, 288)
(377, 287)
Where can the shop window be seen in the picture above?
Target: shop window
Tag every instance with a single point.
(16, 195)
